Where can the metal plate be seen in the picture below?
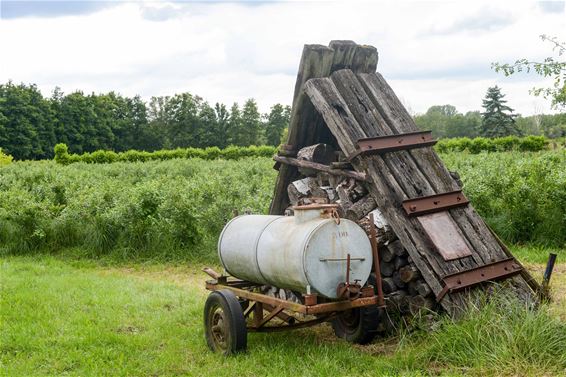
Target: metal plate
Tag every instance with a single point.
(489, 272)
(390, 143)
(434, 203)
(445, 235)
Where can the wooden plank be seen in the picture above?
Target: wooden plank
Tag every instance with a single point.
(471, 224)
(337, 115)
(320, 167)
(445, 235)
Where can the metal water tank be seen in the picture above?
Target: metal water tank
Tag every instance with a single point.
(306, 252)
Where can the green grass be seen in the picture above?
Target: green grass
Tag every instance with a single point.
(75, 317)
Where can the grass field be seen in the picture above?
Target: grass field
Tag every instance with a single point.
(75, 317)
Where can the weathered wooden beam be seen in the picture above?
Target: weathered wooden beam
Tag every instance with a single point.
(306, 126)
(316, 61)
(320, 167)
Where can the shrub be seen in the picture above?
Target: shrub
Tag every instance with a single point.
(502, 144)
(5, 159)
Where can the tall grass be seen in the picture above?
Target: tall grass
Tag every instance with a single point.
(499, 335)
(521, 195)
(175, 209)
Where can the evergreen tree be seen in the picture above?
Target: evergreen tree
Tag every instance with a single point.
(235, 131)
(498, 119)
(277, 121)
(222, 124)
(251, 121)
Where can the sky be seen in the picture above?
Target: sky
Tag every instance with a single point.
(431, 53)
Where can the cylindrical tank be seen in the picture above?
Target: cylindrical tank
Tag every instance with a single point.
(305, 252)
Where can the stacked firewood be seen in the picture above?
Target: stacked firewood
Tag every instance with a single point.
(327, 178)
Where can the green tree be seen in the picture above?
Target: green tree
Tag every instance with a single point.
(554, 67)
(235, 132)
(277, 121)
(222, 124)
(498, 119)
(27, 122)
(251, 120)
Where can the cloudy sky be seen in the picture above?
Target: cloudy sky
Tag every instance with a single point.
(430, 52)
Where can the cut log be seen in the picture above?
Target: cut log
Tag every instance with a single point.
(397, 247)
(386, 255)
(397, 280)
(400, 262)
(419, 303)
(388, 285)
(361, 208)
(386, 268)
(409, 273)
(319, 153)
(423, 288)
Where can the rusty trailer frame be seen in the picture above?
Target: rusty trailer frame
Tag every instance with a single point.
(259, 302)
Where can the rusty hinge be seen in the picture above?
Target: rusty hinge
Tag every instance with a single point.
(489, 272)
(390, 143)
(434, 203)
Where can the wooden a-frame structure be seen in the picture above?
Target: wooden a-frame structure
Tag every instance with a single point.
(341, 100)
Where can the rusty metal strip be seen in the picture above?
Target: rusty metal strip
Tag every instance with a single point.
(489, 272)
(327, 307)
(434, 203)
(391, 143)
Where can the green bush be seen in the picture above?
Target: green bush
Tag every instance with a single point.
(171, 209)
(62, 155)
(520, 194)
(502, 144)
(5, 159)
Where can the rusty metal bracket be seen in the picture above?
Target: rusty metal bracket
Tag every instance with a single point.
(391, 143)
(490, 272)
(434, 203)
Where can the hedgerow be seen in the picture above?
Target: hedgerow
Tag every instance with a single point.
(501, 144)
(62, 155)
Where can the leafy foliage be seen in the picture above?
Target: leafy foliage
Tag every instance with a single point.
(5, 159)
(156, 209)
(522, 195)
(549, 67)
(175, 209)
(31, 125)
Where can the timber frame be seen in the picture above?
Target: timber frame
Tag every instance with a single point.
(341, 100)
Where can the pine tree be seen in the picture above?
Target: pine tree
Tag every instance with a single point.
(498, 119)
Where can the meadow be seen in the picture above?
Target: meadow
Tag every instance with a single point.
(100, 274)
(175, 209)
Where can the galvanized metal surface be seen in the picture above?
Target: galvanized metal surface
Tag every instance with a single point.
(301, 252)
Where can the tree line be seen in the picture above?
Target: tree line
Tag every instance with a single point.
(31, 124)
(497, 120)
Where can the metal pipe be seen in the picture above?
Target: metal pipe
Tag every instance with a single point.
(373, 241)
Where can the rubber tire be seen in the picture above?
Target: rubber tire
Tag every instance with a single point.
(358, 325)
(237, 336)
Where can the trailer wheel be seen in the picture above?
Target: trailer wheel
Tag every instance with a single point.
(358, 325)
(224, 323)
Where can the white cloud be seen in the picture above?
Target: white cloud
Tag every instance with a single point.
(433, 53)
